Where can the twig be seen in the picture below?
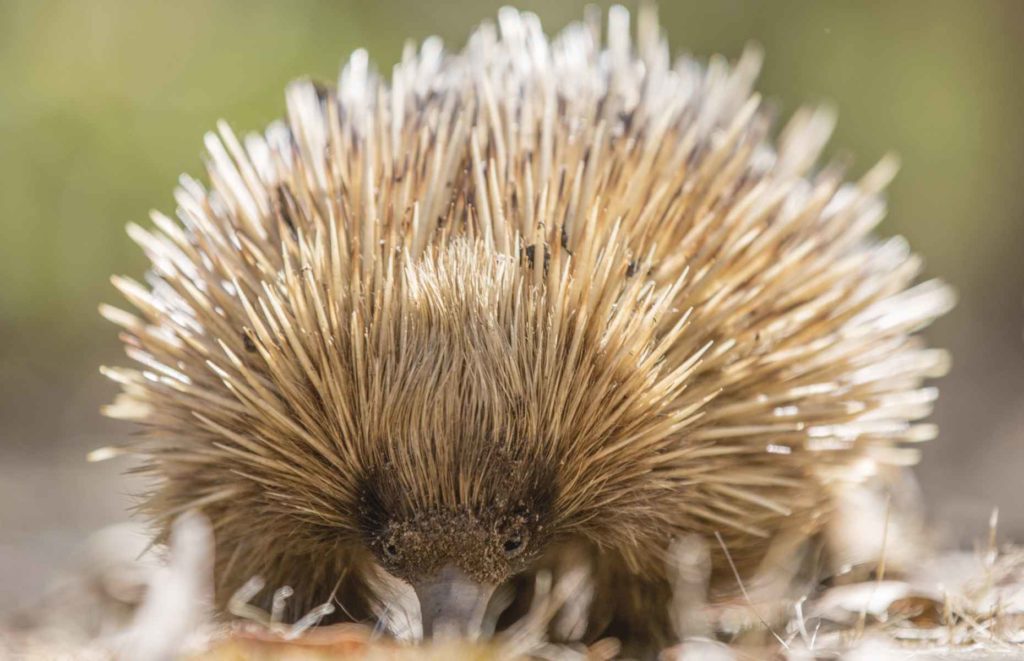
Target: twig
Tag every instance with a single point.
(879, 572)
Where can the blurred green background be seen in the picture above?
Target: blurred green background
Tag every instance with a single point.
(104, 102)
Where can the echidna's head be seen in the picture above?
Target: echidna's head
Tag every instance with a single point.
(455, 557)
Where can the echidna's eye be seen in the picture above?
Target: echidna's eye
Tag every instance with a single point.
(390, 550)
(513, 546)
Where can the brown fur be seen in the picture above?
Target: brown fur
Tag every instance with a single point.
(542, 290)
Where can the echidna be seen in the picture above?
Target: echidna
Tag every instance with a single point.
(532, 296)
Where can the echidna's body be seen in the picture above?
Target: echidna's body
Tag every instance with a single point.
(528, 296)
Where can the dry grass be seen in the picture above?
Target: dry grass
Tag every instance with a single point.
(957, 605)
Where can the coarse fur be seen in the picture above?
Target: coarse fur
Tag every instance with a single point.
(534, 295)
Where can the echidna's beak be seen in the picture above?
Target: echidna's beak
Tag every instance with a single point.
(452, 604)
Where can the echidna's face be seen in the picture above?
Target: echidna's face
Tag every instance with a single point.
(455, 556)
(455, 559)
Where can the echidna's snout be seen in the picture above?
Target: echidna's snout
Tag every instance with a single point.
(452, 604)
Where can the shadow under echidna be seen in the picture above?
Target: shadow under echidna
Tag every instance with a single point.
(530, 307)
